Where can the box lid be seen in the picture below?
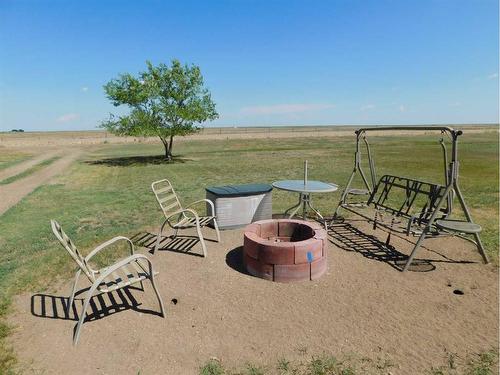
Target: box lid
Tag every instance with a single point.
(239, 190)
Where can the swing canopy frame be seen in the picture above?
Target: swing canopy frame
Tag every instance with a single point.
(406, 205)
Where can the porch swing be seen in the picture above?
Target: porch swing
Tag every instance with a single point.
(409, 206)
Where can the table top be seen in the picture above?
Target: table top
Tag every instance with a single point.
(299, 186)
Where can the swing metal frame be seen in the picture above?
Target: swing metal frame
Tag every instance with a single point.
(433, 219)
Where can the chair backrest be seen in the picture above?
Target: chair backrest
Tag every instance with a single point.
(71, 248)
(405, 197)
(166, 197)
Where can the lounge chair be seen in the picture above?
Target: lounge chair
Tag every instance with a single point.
(179, 217)
(131, 270)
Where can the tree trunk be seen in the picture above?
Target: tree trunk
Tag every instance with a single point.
(168, 150)
(171, 145)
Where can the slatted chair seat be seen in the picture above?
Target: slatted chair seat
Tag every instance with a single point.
(190, 222)
(121, 274)
(179, 217)
(354, 191)
(129, 274)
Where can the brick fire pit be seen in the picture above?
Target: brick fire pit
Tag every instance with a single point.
(285, 250)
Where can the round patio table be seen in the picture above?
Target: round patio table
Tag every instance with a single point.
(305, 189)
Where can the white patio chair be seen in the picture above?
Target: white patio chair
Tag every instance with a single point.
(178, 217)
(131, 270)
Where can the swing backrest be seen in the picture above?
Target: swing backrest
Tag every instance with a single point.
(409, 198)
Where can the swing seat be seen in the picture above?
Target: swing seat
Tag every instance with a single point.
(459, 226)
(358, 192)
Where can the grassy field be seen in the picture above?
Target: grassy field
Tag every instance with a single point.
(108, 193)
(8, 159)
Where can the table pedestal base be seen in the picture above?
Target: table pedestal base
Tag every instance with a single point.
(305, 202)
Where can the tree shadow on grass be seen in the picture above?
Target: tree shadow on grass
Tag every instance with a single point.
(126, 161)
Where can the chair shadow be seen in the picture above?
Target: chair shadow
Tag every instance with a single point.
(102, 305)
(181, 244)
(350, 238)
(234, 259)
(127, 161)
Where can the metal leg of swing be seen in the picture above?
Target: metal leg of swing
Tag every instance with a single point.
(480, 247)
(414, 251)
(479, 244)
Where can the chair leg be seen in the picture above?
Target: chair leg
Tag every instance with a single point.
(84, 313)
(73, 291)
(216, 227)
(200, 236)
(162, 308)
(158, 237)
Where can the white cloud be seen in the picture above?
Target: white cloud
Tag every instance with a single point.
(68, 117)
(85, 89)
(493, 76)
(402, 108)
(455, 104)
(368, 107)
(285, 108)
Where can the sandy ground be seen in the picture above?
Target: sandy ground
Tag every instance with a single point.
(362, 305)
(13, 193)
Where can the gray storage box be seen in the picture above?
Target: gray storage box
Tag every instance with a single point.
(240, 205)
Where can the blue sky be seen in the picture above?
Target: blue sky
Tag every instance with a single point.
(265, 62)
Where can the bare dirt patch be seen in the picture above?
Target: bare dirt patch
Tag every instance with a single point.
(361, 305)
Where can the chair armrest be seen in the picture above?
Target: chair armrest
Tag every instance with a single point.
(207, 201)
(107, 243)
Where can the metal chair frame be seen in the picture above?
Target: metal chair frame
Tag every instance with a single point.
(107, 279)
(178, 217)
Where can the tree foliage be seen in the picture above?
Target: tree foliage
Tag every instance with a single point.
(164, 101)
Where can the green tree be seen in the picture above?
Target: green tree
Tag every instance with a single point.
(164, 101)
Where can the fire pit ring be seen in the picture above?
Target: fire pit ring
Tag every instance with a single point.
(285, 250)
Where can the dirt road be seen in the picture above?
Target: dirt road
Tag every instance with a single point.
(13, 193)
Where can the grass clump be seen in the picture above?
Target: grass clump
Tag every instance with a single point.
(483, 363)
(329, 365)
(212, 367)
